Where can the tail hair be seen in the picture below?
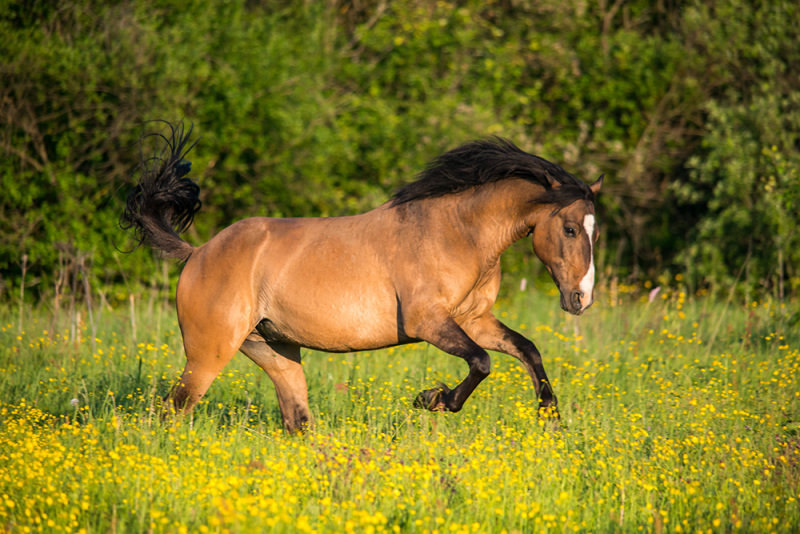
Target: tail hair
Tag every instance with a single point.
(163, 203)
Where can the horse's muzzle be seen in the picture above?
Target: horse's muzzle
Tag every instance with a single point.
(573, 303)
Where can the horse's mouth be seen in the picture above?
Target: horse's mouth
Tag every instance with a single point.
(573, 304)
(569, 309)
(566, 305)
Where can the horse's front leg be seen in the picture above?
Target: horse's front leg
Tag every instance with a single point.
(491, 334)
(451, 338)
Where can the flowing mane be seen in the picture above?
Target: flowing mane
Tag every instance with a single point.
(486, 161)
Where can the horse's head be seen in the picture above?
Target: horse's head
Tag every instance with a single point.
(564, 241)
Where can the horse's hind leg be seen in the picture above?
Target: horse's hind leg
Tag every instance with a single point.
(282, 363)
(209, 344)
(200, 371)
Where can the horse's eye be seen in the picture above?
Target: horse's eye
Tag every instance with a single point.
(569, 231)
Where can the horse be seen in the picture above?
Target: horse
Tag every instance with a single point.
(423, 266)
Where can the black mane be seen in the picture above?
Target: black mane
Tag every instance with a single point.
(487, 161)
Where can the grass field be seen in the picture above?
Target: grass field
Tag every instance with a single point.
(679, 415)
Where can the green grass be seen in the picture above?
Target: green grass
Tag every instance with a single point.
(679, 415)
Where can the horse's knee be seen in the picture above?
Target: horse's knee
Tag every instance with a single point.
(481, 366)
(530, 352)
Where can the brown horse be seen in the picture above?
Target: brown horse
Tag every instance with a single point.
(424, 266)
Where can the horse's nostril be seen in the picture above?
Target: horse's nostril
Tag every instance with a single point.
(576, 299)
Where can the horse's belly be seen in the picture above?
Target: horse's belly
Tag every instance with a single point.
(336, 319)
(342, 330)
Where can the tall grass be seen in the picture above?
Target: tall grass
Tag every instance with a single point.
(679, 414)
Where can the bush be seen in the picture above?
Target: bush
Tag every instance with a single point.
(325, 108)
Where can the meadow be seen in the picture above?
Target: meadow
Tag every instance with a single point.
(680, 413)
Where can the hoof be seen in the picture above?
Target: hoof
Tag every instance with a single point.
(298, 427)
(549, 412)
(432, 399)
(167, 411)
(550, 419)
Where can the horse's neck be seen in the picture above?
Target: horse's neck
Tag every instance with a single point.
(495, 216)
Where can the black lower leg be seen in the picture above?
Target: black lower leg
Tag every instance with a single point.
(530, 356)
(479, 368)
(453, 340)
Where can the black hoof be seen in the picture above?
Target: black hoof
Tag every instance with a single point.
(549, 412)
(550, 419)
(432, 399)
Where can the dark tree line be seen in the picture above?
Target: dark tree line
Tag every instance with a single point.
(691, 109)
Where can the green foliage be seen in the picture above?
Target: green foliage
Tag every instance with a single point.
(749, 181)
(324, 108)
(744, 180)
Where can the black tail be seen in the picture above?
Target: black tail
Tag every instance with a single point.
(163, 203)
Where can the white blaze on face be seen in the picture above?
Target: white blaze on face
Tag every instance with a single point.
(587, 282)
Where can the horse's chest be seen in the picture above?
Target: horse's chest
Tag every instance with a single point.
(473, 305)
(479, 299)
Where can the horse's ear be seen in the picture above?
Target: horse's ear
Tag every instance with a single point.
(555, 184)
(595, 187)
